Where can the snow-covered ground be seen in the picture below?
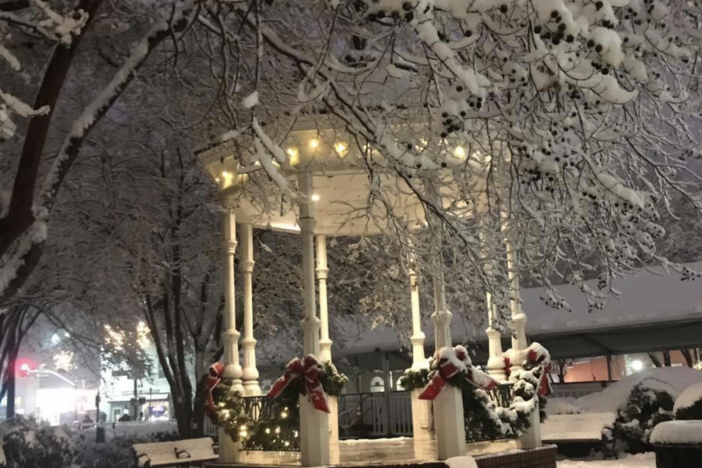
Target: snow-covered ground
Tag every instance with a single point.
(646, 460)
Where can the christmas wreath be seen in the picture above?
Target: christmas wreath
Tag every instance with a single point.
(277, 427)
(485, 419)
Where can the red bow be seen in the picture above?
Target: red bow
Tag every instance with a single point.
(446, 370)
(310, 368)
(214, 377)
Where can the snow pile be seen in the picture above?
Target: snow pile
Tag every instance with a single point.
(574, 427)
(645, 460)
(670, 379)
(677, 432)
(688, 397)
(461, 462)
(139, 430)
(568, 405)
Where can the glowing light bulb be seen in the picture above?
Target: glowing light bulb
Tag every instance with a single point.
(314, 143)
(315, 197)
(340, 148)
(277, 430)
(637, 365)
(287, 444)
(459, 152)
(294, 155)
(283, 415)
(268, 431)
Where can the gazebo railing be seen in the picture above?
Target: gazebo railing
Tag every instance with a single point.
(370, 415)
(502, 396)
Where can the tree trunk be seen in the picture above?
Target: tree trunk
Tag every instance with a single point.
(11, 387)
(20, 215)
(199, 408)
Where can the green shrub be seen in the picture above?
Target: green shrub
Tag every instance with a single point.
(28, 445)
(690, 412)
(645, 408)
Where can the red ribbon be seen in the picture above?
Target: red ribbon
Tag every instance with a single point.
(214, 378)
(475, 376)
(446, 370)
(534, 358)
(309, 368)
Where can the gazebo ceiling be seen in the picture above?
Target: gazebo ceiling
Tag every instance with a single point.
(343, 206)
(343, 201)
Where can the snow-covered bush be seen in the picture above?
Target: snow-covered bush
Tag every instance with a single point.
(688, 405)
(648, 405)
(117, 453)
(28, 445)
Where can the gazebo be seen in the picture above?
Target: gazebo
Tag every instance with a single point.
(336, 199)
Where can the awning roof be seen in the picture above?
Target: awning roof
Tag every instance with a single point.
(656, 311)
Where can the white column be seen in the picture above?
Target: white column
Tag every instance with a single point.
(230, 335)
(325, 344)
(419, 360)
(314, 424)
(249, 372)
(532, 437)
(421, 409)
(496, 363)
(228, 449)
(519, 318)
(449, 422)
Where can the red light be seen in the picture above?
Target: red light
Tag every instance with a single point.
(23, 367)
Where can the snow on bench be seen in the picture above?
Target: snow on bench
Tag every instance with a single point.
(677, 433)
(180, 452)
(585, 427)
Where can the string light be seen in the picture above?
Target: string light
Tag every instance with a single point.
(314, 143)
(340, 148)
(294, 155)
(315, 197)
(460, 152)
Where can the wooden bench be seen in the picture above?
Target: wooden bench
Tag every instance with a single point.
(576, 434)
(178, 453)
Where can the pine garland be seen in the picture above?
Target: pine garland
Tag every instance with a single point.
(277, 428)
(230, 414)
(484, 419)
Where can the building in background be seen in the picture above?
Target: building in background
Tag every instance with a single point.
(147, 394)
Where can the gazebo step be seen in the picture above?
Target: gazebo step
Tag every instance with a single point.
(543, 457)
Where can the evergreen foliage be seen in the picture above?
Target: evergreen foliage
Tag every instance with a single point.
(277, 426)
(644, 409)
(484, 419)
(689, 413)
